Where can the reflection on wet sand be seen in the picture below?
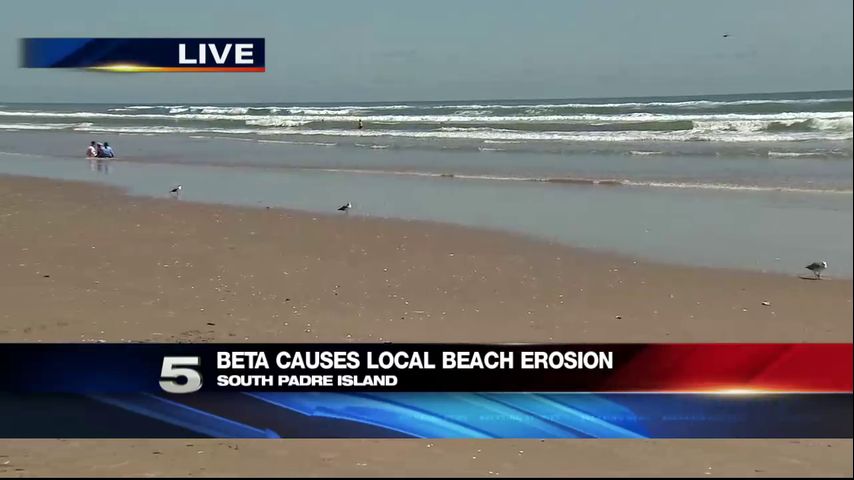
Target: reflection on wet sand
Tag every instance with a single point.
(100, 165)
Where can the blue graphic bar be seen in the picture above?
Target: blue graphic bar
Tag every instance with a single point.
(426, 415)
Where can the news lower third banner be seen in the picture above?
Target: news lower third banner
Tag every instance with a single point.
(426, 390)
(141, 55)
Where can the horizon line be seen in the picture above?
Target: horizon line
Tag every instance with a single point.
(432, 101)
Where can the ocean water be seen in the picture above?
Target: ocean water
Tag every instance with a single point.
(759, 182)
(775, 125)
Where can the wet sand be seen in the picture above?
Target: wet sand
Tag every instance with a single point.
(84, 263)
(375, 458)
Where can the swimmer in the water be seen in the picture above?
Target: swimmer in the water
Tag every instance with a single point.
(360, 124)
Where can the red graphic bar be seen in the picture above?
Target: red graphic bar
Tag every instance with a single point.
(736, 368)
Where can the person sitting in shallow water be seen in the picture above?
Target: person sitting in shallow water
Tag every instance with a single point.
(108, 151)
(92, 150)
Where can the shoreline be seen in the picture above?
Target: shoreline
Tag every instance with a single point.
(136, 153)
(245, 269)
(609, 182)
(765, 231)
(532, 239)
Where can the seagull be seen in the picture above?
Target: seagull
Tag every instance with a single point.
(816, 268)
(176, 190)
(345, 208)
(726, 35)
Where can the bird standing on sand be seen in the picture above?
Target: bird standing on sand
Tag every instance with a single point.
(346, 207)
(817, 268)
(177, 190)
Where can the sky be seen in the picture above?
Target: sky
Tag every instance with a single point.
(386, 50)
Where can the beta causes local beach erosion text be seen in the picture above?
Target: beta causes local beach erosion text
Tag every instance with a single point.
(311, 364)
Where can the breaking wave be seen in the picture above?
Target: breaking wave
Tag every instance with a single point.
(784, 118)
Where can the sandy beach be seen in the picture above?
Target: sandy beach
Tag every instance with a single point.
(85, 263)
(422, 458)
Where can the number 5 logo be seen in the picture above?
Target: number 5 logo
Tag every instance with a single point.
(178, 367)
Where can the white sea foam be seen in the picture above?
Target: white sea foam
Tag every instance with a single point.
(609, 136)
(319, 111)
(152, 130)
(603, 182)
(612, 118)
(726, 186)
(616, 105)
(472, 113)
(293, 142)
(484, 134)
(371, 145)
(38, 126)
(217, 113)
(223, 110)
(276, 122)
(796, 154)
(484, 122)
